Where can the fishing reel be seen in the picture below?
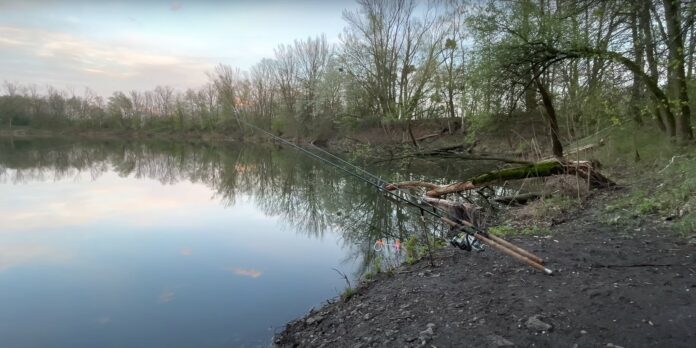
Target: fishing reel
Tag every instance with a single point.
(467, 241)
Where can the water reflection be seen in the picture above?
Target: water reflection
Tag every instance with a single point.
(14, 255)
(309, 196)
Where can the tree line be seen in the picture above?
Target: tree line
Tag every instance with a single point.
(575, 63)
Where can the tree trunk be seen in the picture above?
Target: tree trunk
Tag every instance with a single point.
(691, 53)
(557, 147)
(530, 94)
(636, 89)
(676, 73)
(582, 169)
(411, 136)
(450, 85)
(664, 116)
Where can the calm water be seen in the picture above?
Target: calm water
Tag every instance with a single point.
(108, 244)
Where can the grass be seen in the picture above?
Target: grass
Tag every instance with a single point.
(555, 206)
(416, 248)
(348, 293)
(686, 225)
(661, 178)
(507, 230)
(413, 249)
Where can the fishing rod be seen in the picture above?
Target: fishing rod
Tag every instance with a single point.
(462, 225)
(462, 243)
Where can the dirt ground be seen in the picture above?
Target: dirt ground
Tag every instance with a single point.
(614, 286)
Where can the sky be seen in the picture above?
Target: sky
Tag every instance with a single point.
(136, 45)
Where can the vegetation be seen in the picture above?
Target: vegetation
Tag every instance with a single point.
(347, 293)
(579, 65)
(661, 181)
(506, 230)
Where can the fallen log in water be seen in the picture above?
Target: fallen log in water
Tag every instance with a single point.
(583, 169)
(522, 198)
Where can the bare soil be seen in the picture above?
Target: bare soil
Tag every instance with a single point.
(614, 286)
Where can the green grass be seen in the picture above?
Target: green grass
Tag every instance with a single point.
(416, 249)
(347, 294)
(506, 230)
(503, 230)
(686, 225)
(660, 176)
(412, 253)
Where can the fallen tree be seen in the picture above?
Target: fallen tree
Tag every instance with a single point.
(460, 151)
(583, 169)
(522, 198)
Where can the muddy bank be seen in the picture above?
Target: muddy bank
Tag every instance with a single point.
(614, 286)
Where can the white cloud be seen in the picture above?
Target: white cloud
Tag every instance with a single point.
(106, 66)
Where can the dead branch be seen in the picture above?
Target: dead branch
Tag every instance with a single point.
(583, 169)
(448, 153)
(519, 199)
(428, 136)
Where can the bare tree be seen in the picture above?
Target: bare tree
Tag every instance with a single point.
(263, 89)
(286, 76)
(391, 54)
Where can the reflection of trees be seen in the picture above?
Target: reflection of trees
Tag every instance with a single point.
(308, 195)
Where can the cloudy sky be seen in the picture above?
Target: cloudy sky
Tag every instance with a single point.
(136, 45)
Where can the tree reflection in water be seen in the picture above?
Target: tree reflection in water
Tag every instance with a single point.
(308, 195)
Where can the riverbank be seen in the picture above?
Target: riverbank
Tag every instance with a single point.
(615, 285)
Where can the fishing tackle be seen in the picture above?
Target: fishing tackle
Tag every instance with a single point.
(466, 241)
